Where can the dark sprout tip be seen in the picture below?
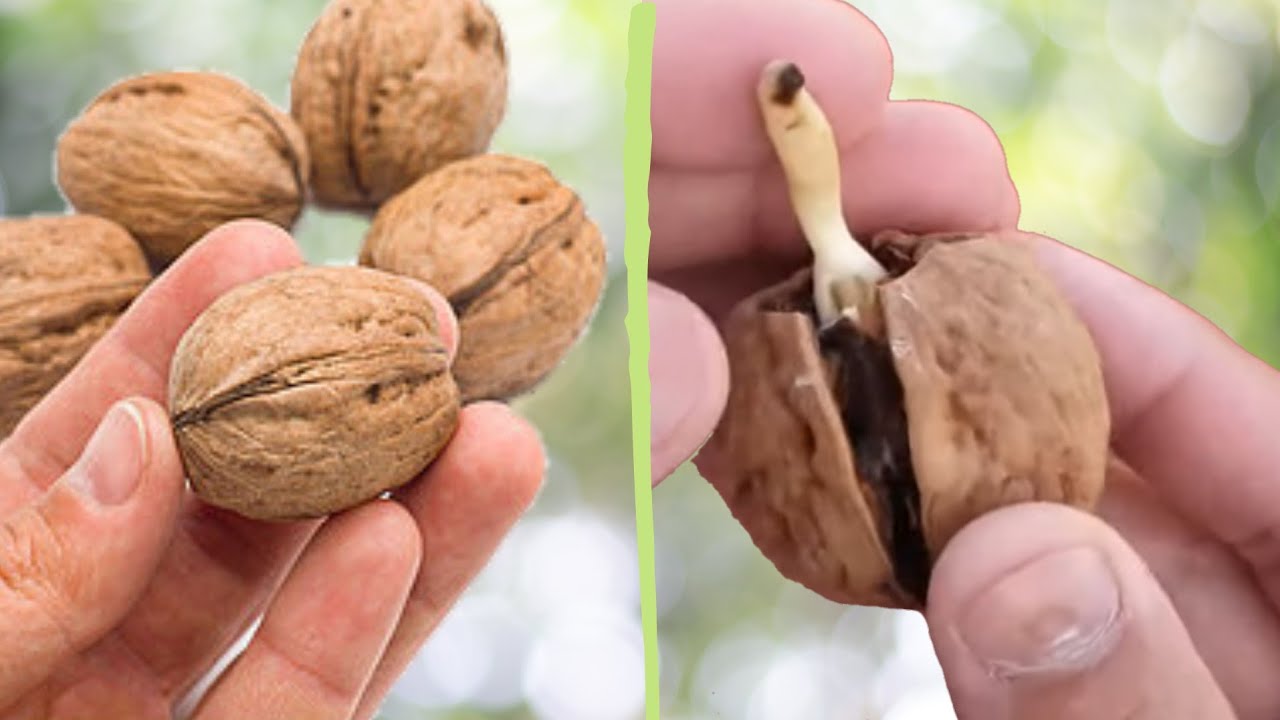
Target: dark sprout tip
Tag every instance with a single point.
(788, 84)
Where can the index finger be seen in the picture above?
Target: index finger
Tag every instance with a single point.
(1193, 412)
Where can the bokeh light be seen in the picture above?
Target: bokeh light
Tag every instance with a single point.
(588, 665)
(476, 658)
(575, 562)
(1205, 88)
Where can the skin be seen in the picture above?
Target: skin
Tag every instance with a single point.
(1164, 606)
(113, 605)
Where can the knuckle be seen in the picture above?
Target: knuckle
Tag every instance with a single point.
(32, 565)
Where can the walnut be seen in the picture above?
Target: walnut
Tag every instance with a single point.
(171, 156)
(884, 399)
(515, 253)
(389, 90)
(63, 282)
(311, 391)
(853, 458)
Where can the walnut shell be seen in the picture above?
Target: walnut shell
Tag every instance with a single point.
(63, 283)
(311, 391)
(389, 90)
(852, 459)
(171, 156)
(514, 252)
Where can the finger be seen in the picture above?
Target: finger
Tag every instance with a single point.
(707, 57)
(72, 563)
(689, 377)
(232, 563)
(216, 577)
(464, 506)
(329, 624)
(446, 320)
(1193, 412)
(926, 167)
(133, 358)
(1041, 611)
(1230, 621)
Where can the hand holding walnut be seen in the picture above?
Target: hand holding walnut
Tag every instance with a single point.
(1037, 611)
(118, 592)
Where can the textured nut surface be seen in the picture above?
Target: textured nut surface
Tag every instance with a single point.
(788, 473)
(998, 390)
(389, 90)
(515, 253)
(63, 282)
(171, 156)
(311, 391)
(1004, 395)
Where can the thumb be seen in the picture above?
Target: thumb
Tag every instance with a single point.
(73, 563)
(688, 376)
(1042, 611)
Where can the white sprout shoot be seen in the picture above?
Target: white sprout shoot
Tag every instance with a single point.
(806, 145)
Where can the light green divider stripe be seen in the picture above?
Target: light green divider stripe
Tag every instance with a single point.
(639, 141)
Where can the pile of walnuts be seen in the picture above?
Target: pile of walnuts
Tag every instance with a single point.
(316, 389)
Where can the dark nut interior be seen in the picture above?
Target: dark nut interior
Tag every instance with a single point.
(853, 453)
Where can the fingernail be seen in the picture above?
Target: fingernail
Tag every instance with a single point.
(1060, 613)
(685, 379)
(112, 463)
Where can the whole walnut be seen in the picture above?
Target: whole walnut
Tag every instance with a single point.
(171, 156)
(63, 283)
(853, 453)
(515, 253)
(311, 391)
(389, 90)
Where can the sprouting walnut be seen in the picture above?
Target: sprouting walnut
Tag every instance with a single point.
(63, 283)
(171, 156)
(311, 391)
(389, 90)
(889, 396)
(854, 455)
(513, 250)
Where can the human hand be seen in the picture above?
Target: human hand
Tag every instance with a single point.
(1166, 607)
(119, 589)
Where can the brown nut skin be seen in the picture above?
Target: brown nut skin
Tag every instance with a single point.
(389, 90)
(513, 250)
(1003, 402)
(64, 281)
(171, 156)
(311, 391)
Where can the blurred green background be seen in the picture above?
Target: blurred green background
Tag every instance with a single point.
(1146, 132)
(551, 630)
